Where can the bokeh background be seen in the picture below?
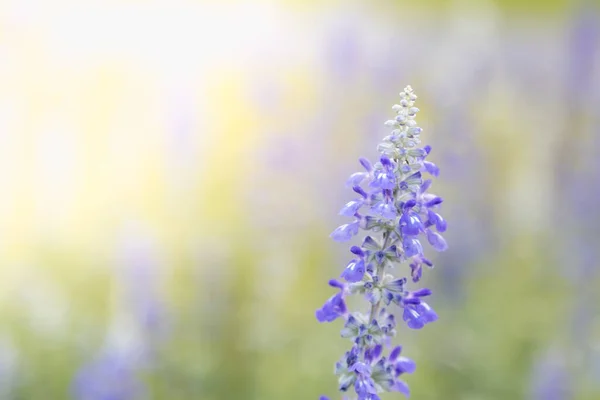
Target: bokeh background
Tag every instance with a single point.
(170, 172)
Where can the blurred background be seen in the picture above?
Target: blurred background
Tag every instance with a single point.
(170, 171)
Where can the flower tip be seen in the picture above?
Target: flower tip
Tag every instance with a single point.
(365, 163)
(319, 315)
(437, 241)
(357, 251)
(336, 284)
(344, 232)
(395, 353)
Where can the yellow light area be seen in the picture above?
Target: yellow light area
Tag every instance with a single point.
(113, 112)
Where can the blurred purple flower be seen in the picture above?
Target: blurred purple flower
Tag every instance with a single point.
(550, 379)
(110, 376)
(584, 41)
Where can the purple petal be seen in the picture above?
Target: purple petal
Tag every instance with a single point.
(355, 271)
(409, 204)
(434, 202)
(402, 387)
(332, 309)
(416, 272)
(434, 218)
(361, 368)
(370, 244)
(422, 292)
(384, 180)
(351, 208)
(364, 386)
(425, 185)
(337, 284)
(356, 178)
(396, 285)
(427, 313)
(357, 250)
(411, 317)
(405, 365)
(360, 191)
(395, 353)
(431, 168)
(345, 232)
(385, 161)
(386, 210)
(411, 300)
(377, 351)
(436, 240)
(412, 247)
(366, 164)
(410, 224)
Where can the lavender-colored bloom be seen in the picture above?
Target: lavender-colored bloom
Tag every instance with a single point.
(410, 224)
(355, 271)
(431, 168)
(401, 210)
(551, 378)
(436, 240)
(417, 316)
(437, 220)
(359, 177)
(412, 247)
(345, 232)
(352, 207)
(332, 309)
(385, 207)
(111, 376)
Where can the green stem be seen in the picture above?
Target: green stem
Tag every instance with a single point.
(379, 273)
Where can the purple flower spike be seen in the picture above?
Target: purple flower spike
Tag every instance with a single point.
(400, 211)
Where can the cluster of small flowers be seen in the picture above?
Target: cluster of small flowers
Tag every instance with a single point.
(398, 211)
